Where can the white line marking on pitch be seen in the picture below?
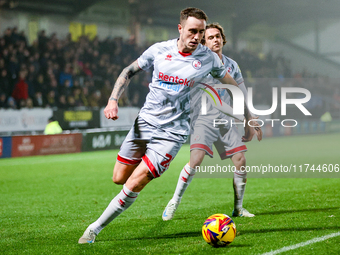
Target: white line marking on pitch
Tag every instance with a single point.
(295, 246)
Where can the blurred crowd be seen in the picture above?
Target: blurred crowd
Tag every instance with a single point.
(61, 73)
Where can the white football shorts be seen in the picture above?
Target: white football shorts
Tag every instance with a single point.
(155, 146)
(226, 139)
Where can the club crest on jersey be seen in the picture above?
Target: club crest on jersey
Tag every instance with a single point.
(196, 64)
(229, 69)
(168, 57)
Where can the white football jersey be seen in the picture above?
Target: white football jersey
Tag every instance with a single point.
(212, 112)
(167, 104)
(235, 72)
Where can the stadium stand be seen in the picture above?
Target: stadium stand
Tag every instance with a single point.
(60, 73)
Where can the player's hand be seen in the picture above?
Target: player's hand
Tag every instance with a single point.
(248, 133)
(111, 110)
(257, 128)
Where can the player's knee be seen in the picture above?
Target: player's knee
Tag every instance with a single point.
(118, 180)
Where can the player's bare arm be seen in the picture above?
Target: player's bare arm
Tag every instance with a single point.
(124, 80)
(111, 109)
(257, 128)
(249, 131)
(249, 115)
(227, 79)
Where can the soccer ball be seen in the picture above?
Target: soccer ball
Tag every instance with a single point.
(219, 230)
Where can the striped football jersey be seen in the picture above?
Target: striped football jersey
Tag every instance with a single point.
(167, 104)
(212, 112)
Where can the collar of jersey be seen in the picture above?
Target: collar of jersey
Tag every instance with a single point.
(184, 54)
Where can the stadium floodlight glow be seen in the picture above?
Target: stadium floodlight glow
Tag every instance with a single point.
(238, 100)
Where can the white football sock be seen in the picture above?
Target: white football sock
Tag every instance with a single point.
(185, 177)
(117, 205)
(239, 184)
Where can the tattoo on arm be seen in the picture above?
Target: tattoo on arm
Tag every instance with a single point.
(124, 80)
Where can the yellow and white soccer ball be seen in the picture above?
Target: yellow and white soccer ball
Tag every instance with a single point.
(219, 230)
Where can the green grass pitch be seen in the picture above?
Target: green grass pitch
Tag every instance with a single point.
(48, 201)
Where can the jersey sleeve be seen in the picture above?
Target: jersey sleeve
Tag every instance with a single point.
(218, 69)
(238, 75)
(146, 60)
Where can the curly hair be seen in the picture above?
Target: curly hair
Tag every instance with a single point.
(217, 26)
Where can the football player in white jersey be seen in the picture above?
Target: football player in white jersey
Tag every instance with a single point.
(226, 139)
(162, 125)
